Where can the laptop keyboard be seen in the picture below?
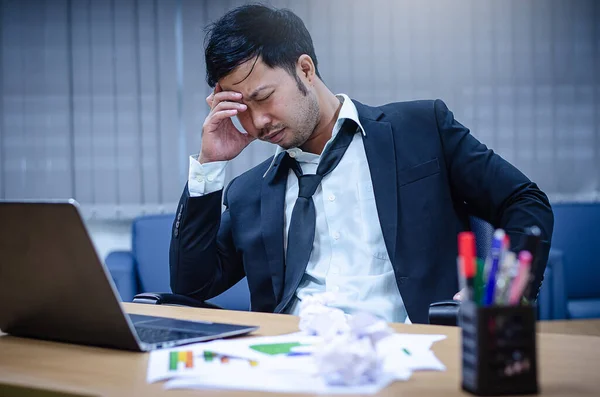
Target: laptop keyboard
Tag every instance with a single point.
(156, 330)
(157, 335)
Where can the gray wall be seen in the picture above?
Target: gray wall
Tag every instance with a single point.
(104, 100)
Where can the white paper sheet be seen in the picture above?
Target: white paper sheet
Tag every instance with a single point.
(221, 354)
(248, 364)
(411, 351)
(278, 381)
(244, 347)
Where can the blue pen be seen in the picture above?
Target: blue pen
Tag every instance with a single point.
(496, 253)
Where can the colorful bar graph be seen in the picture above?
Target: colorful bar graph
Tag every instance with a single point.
(185, 357)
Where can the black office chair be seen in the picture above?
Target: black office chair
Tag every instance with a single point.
(446, 312)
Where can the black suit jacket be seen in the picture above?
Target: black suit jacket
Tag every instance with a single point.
(429, 174)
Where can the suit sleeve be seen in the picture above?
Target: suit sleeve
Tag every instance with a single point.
(202, 258)
(493, 189)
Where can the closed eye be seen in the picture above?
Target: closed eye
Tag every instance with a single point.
(265, 98)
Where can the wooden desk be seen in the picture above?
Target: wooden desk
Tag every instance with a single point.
(568, 363)
(571, 327)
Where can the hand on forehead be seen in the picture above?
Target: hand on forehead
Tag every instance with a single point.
(251, 79)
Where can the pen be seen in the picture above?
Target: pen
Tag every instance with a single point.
(521, 281)
(531, 244)
(466, 252)
(507, 271)
(462, 282)
(479, 282)
(495, 253)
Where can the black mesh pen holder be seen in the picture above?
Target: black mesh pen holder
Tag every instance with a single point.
(499, 354)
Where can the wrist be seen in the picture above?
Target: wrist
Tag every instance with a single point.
(203, 158)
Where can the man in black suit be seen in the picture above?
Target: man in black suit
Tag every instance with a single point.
(364, 202)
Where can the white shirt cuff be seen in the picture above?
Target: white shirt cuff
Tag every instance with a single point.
(205, 178)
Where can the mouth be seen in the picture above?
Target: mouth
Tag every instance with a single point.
(276, 136)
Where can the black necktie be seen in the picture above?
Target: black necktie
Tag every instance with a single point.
(301, 234)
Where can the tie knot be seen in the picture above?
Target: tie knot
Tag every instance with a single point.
(307, 185)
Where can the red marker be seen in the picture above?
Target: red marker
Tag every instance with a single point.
(466, 253)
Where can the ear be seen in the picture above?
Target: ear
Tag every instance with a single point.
(306, 68)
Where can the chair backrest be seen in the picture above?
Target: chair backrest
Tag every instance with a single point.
(577, 235)
(151, 236)
(484, 231)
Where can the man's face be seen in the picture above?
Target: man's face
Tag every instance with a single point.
(278, 111)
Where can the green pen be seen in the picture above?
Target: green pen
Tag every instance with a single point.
(479, 282)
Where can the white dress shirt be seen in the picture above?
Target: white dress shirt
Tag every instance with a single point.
(349, 257)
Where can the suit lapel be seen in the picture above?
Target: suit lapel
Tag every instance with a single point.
(381, 156)
(272, 220)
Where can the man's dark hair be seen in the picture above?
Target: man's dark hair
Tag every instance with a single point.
(250, 31)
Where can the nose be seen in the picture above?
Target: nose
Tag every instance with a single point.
(260, 120)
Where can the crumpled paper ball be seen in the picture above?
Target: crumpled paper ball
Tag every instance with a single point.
(316, 318)
(348, 354)
(367, 325)
(348, 360)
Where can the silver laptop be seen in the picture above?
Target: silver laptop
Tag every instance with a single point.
(54, 287)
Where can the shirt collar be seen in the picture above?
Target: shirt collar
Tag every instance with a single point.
(348, 111)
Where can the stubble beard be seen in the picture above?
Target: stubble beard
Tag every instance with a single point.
(307, 120)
